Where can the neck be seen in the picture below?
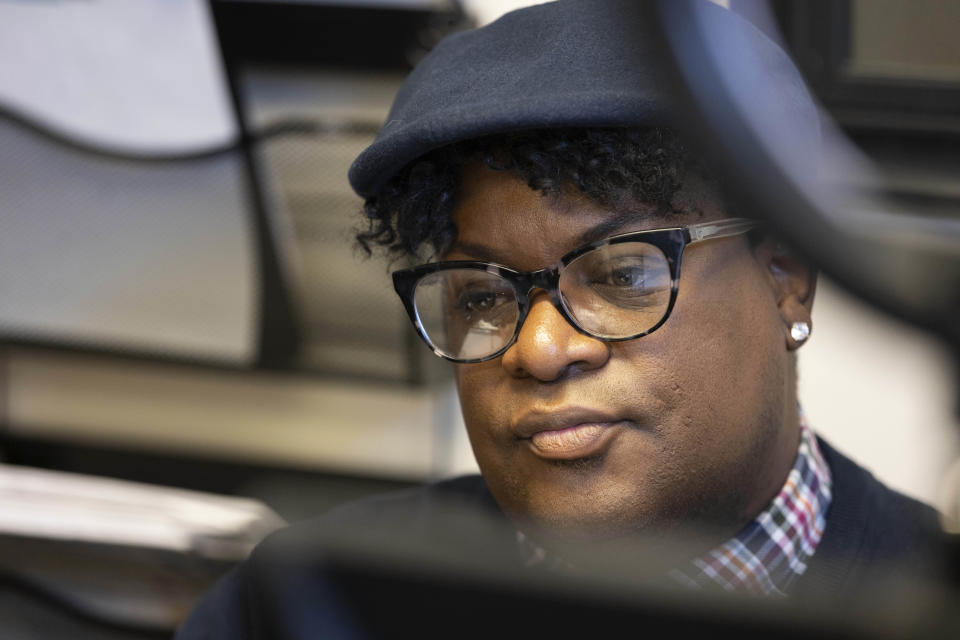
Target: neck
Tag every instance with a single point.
(783, 453)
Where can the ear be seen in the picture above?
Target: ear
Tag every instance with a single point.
(794, 282)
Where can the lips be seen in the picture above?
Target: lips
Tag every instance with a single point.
(567, 434)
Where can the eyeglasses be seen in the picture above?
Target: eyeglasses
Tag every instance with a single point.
(616, 289)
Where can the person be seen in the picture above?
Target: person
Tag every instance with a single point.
(535, 171)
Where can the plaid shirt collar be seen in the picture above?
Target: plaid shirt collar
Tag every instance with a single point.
(773, 550)
(768, 554)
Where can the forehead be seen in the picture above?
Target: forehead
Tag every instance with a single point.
(501, 219)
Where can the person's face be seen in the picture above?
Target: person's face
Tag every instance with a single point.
(694, 423)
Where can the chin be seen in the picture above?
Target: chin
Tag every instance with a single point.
(614, 545)
(588, 519)
(628, 516)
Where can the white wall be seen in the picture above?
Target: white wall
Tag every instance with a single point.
(880, 391)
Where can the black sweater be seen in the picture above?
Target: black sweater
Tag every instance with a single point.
(294, 586)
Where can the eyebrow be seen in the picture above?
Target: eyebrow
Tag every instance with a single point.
(480, 252)
(608, 227)
(599, 231)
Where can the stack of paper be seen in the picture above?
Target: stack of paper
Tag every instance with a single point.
(39, 503)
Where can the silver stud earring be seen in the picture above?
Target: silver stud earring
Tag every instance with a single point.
(800, 331)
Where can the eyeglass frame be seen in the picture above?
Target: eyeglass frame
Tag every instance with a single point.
(670, 241)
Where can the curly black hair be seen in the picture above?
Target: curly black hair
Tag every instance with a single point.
(610, 166)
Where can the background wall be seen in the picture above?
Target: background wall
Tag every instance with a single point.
(881, 392)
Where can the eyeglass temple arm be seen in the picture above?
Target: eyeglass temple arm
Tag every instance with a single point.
(720, 228)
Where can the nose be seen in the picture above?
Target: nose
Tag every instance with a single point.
(548, 347)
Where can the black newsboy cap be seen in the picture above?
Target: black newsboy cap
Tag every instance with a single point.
(572, 63)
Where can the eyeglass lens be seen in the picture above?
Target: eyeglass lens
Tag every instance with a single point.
(614, 291)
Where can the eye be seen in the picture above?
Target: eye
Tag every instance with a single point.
(616, 287)
(478, 301)
(621, 271)
(481, 298)
(631, 275)
(628, 280)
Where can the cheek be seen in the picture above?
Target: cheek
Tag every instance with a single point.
(477, 387)
(486, 403)
(723, 351)
(729, 323)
